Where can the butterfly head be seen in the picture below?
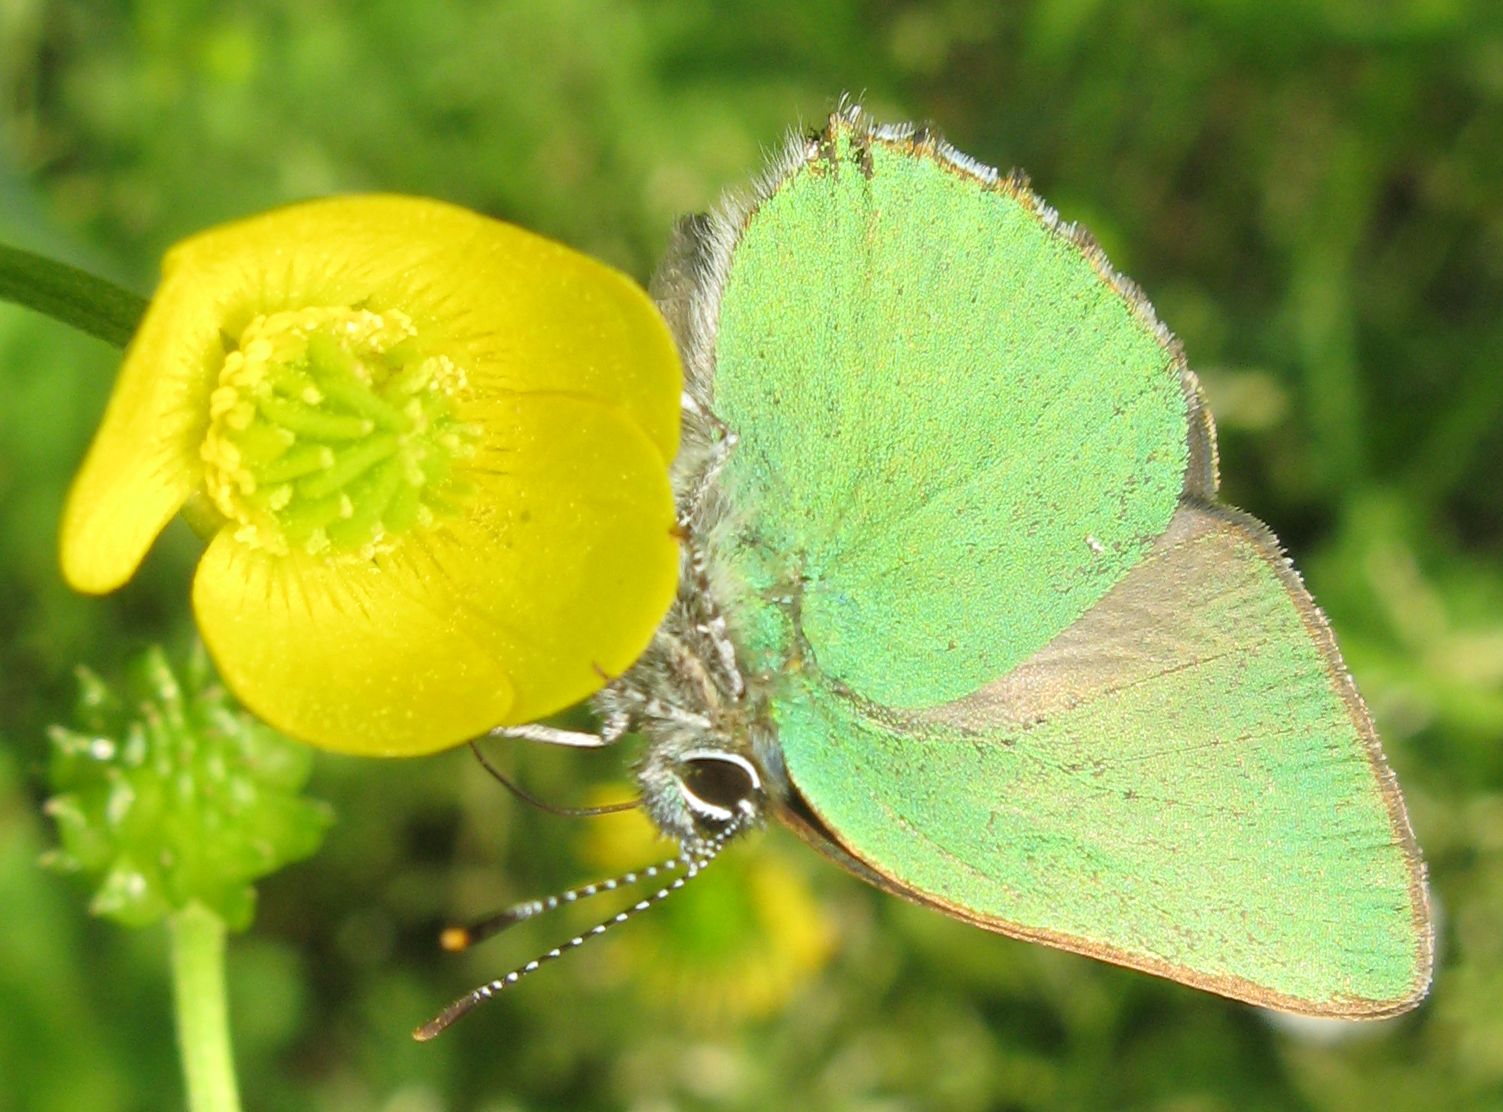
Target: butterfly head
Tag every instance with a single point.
(698, 793)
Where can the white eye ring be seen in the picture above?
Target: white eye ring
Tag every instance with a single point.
(714, 811)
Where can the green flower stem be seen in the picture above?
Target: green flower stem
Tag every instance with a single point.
(73, 296)
(203, 1027)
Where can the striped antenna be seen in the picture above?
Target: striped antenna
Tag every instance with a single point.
(694, 863)
(458, 938)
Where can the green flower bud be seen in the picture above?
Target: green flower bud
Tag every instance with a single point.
(169, 793)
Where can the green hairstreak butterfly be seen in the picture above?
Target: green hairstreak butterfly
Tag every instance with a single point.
(960, 606)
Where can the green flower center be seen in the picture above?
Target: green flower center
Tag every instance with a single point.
(331, 428)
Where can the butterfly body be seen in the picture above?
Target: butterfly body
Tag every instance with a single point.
(960, 607)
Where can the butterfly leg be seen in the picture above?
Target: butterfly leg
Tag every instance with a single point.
(715, 631)
(710, 632)
(551, 735)
(721, 439)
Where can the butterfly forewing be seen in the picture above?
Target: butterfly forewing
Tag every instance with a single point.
(951, 422)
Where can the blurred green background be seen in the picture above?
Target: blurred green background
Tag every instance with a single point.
(1310, 192)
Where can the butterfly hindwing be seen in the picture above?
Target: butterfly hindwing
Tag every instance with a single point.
(1184, 781)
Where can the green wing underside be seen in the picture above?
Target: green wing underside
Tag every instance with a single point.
(967, 450)
(1184, 782)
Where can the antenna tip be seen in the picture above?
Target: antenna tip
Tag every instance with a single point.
(454, 940)
(427, 1031)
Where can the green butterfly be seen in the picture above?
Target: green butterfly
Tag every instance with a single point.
(960, 607)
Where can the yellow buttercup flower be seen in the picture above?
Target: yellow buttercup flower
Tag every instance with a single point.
(430, 451)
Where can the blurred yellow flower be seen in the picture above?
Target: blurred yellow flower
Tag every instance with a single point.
(734, 945)
(430, 452)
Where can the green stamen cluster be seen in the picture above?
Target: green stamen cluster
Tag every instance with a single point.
(331, 428)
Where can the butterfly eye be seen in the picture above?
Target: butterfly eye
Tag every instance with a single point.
(718, 786)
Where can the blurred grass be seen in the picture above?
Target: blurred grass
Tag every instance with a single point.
(1309, 192)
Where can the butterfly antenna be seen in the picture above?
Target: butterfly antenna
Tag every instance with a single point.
(552, 808)
(695, 863)
(457, 938)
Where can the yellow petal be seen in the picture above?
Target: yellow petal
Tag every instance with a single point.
(566, 554)
(144, 461)
(518, 312)
(353, 657)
